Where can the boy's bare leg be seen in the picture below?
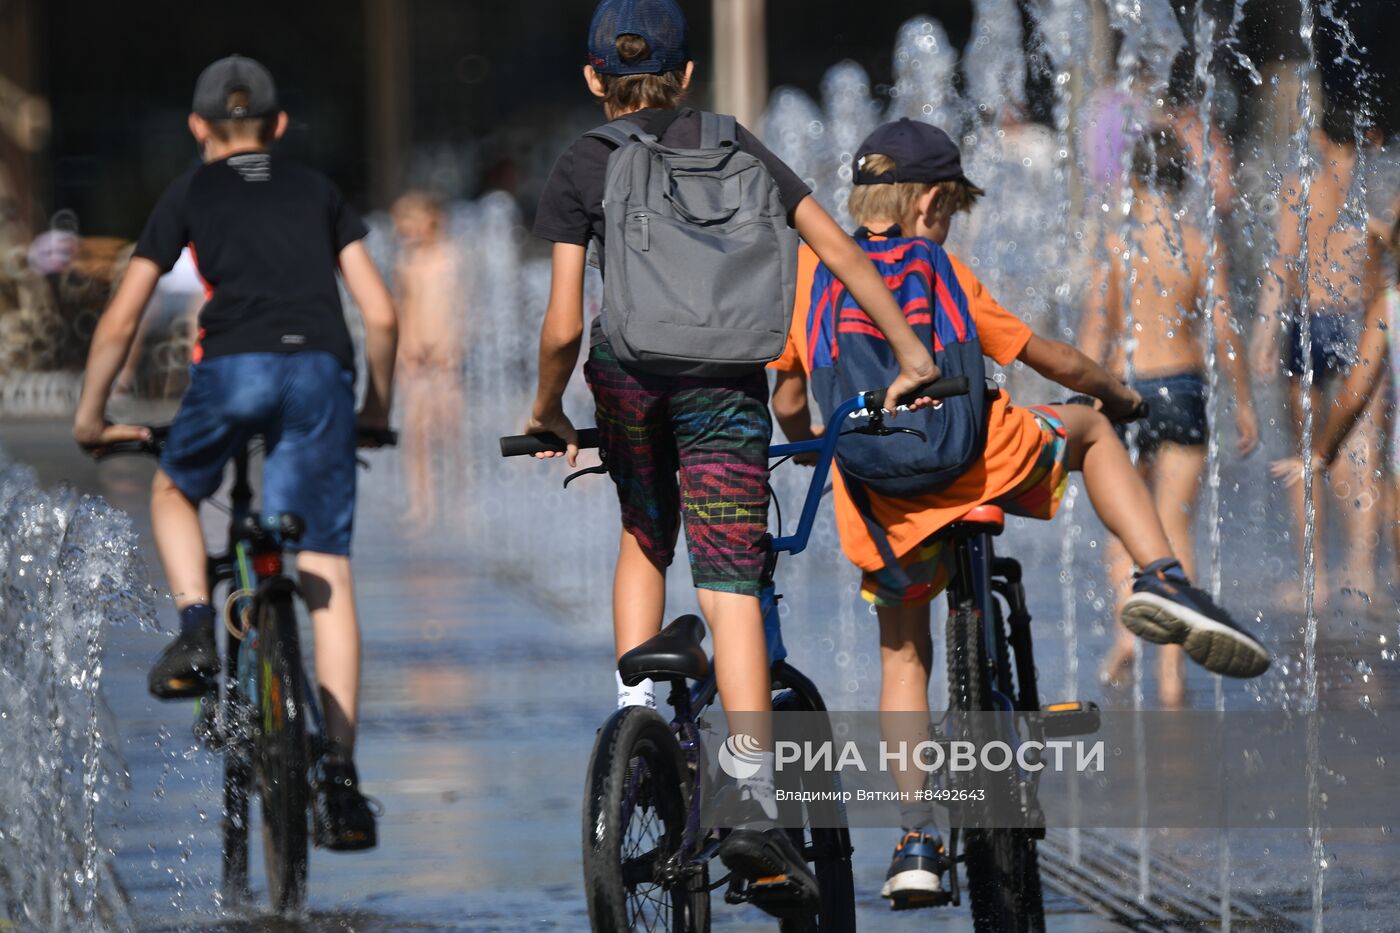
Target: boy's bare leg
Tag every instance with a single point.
(1357, 494)
(1117, 663)
(639, 595)
(418, 455)
(741, 662)
(1117, 492)
(1177, 484)
(906, 656)
(180, 542)
(329, 590)
(1293, 596)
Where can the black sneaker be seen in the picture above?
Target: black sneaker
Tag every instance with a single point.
(344, 816)
(187, 667)
(763, 854)
(1167, 610)
(915, 878)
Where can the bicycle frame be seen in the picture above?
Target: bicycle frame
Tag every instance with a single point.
(689, 703)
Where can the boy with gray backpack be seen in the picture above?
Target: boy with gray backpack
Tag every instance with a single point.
(696, 227)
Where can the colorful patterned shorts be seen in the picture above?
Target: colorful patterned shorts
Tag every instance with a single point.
(929, 566)
(694, 447)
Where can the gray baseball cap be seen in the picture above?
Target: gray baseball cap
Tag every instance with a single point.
(235, 73)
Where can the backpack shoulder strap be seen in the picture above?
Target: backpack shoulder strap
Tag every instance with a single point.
(861, 498)
(718, 129)
(619, 133)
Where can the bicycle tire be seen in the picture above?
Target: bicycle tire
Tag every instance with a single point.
(284, 793)
(637, 766)
(1003, 876)
(238, 778)
(830, 845)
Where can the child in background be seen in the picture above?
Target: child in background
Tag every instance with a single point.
(1169, 287)
(1378, 356)
(908, 185)
(432, 285)
(714, 431)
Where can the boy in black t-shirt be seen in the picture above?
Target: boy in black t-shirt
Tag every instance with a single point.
(713, 431)
(274, 358)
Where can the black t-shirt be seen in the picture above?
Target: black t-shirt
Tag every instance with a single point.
(571, 208)
(266, 235)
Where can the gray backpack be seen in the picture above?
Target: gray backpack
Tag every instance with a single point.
(700, 263)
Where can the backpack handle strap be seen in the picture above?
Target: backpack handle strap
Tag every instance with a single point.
(619, 133)
(718, 129)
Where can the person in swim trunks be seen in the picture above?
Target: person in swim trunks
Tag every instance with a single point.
(1378, 354)
(1169, 272)
(1345, 274)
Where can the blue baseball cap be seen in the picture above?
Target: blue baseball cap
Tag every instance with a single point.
(660, 22)
(921, 152)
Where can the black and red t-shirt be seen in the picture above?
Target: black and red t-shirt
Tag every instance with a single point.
(267, 235)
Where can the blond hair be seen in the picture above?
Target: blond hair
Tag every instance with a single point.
(626, 93)
(895, 201)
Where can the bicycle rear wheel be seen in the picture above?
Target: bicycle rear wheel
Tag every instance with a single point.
(282, 751)
(1003, 874)
(824, 836)
(634, 816)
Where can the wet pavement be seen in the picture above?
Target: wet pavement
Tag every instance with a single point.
(482, 691)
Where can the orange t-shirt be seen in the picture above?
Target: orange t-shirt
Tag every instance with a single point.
(1013, 434)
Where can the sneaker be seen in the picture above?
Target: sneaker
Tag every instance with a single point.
(344, 816)
(915, 878)
(1167, 610)
(763, 854)
(187, 667)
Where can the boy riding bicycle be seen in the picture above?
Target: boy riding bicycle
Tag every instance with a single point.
(713, 430)
(908, 185)
(274, 359)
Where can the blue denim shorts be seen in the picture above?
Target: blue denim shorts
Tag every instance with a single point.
(303, 406)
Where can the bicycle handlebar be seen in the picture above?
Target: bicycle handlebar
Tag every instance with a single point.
(526, 445)
(937, 389)
(155, 444)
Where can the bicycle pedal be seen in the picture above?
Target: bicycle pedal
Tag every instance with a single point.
(919, 900)
(1072, 717)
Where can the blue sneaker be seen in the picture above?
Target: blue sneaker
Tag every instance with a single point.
(915, 878)
(1166, 609)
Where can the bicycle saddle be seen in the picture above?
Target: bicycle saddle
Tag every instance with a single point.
(990, 516)
(674, 652)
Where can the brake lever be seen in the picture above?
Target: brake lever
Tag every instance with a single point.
(882, 431)
(600, 468)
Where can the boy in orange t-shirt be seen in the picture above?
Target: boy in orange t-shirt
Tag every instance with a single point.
(909, 178)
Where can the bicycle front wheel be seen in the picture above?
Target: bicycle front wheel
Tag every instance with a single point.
(635, 875)
(824, 836)
(1003, 872)
(282, 751)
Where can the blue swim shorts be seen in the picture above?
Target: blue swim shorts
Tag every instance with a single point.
(303, 406)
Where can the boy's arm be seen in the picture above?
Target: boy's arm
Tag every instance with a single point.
(561, 336)
(1279, 283)
(111, 342)
(1229, 348)
(1360, 386)
(791, 408)
(381, 330)
(1062, 363)
(849, 263)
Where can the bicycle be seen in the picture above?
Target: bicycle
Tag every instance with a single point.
(265, 716)
(991, 669)
(654, 873)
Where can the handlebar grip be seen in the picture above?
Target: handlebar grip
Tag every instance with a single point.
(151, 447)
(939, 388)
(526, 445)
(382, 437)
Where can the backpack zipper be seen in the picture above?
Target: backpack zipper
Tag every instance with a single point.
(645, 221)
